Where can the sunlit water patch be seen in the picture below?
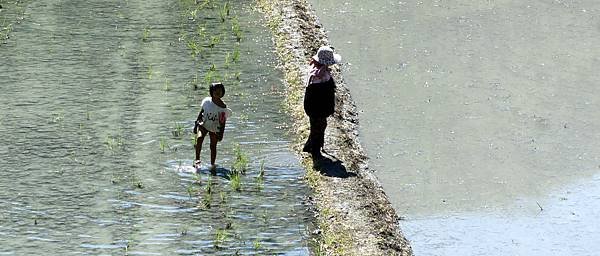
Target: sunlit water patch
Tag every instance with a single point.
(538, 228)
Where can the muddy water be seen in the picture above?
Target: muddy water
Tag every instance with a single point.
(97, 110)
(480, 110)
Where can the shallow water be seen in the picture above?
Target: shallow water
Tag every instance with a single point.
(469, 108)
(567, 225)
(91, 159)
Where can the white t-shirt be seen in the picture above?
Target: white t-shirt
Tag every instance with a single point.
(213, 115)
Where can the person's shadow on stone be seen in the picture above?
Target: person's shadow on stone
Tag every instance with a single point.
(331, 167)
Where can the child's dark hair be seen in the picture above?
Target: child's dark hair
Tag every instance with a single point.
(215, 86)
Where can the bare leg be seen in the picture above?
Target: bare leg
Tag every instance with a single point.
(213, 147)
(199, 142)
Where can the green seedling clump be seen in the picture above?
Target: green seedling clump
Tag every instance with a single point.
(220, 236)
(240, 164)
(257, 244)
(162, 144)
(114, 142)
(261, 173)
(224, 12)
(236, 54)
(146, 34)
(177, 130)
(236, 29)
(236, 181)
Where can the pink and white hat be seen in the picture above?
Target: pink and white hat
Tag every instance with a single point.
(325, 56)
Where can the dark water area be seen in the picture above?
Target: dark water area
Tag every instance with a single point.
(476, 115)
(97, 104)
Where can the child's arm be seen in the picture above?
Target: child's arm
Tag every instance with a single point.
(198, 121)
(222, 120)
(221, 132)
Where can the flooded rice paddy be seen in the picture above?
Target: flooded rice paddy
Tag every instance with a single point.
(477, 115)
(98, 100)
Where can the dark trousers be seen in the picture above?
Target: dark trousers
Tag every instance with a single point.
(316, 138)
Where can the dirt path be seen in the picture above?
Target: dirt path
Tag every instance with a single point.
(354, 214)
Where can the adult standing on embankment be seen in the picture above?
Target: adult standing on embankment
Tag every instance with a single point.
(319, 98)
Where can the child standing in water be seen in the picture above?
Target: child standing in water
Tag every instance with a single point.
(319, 98)
(211, 120)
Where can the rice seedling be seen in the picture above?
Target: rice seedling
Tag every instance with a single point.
(149, 72)
(194, 49)
(207, 200)
(227, 60)
(113, 142)
(206, 4)
(236, 54)
(235, 181)
(162, 144)
(261, 173)
(192, 14)
(318, 251)
(257, 244)
(236, 29)
(194, 82)
(223, 197)
(243, 116)
(260, 186)
(58, 117)
(167, 85)
(208, 77)
(183, 231)
(201, 31)
(220, 236)
(177, 130)
(197, 179)
(146, 34)
(260, 177)
(224, 12)
(193, 139)
(240, 164)
(214, 41)
(211, 76)
(265, 216)
(5, 31)
(136, 182)
(191, 190)
(208, 188)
